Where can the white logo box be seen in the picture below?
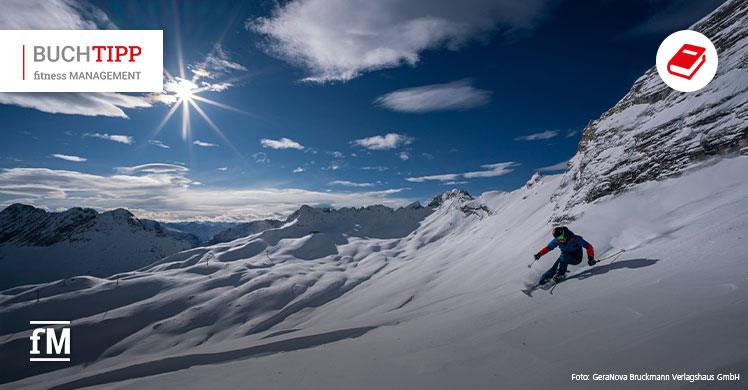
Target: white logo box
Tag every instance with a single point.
(56, 60)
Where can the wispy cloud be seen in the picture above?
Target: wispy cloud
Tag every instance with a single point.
(283, 143)
(405, 156)
(216, 63)
(555, 167)
(261, 158)
(52, 14)
(158, 143)
(347, 183)
(333, 166)
(298, 170)
(223, 169)
(204, 144)
(457, 95)
(378, 168)
(548, 134)
(153, 168)
(123, 139)
(384, 142)
(68, 157)
(386, 34)
(489, 170)
(169, 195)
(86, 104)
(442, 177)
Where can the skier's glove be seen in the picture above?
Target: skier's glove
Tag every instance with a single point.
(537, 256)
(591, 261)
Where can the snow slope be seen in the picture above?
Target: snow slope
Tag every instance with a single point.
(440, 307)
(38, 246)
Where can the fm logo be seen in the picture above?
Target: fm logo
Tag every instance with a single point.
(57, 347)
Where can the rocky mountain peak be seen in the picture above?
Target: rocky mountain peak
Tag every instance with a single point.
(655, 132)
(451, 195)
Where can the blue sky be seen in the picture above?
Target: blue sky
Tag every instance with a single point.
(326, 102)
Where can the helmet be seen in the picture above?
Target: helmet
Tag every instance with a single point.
(559, 233)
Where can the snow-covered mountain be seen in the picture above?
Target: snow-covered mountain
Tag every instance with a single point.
(243, 230)
(203, 230)
(36, 245)
(429, 297)
(656, 132)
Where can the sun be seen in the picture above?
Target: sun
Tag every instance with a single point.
(184, 94)
(184, 90)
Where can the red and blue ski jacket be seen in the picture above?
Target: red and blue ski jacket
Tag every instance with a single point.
(572, 245)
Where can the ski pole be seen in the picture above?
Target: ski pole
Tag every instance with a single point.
(610, 256)
(533, 262)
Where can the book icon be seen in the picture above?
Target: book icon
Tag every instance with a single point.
(687, 61)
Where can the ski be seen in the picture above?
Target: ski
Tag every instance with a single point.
(528, 291)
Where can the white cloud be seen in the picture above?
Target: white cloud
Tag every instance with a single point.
(261, 158)
(298, 170)
(68, 157)
(489, 170)
(457, 95)
(123, 139)
(216, 63)
(153, 168)
(341, 39)
(548, 134)
(377, 168)
(403, 156)
(223, 169)
(73, 103)
(204, 144)
(332, 166)
(443, 177)
(283, 143)
(169, 195)
(158, 143)
(384, 142)
(555, 167)
(347, 183)
(51, 15)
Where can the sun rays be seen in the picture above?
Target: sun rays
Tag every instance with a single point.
(183, 93)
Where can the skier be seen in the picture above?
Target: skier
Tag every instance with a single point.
(571, 253)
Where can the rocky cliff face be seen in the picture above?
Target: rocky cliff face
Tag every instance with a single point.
(38, 246)
(655, 132)
(30, 226)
